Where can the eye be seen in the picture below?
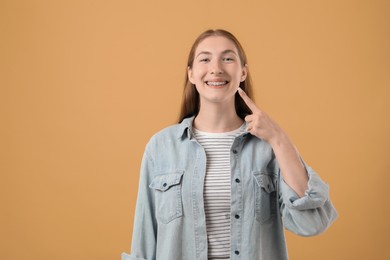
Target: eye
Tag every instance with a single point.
(204, 60)
(228, 59)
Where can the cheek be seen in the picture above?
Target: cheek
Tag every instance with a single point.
(192, 76)
(198, 75)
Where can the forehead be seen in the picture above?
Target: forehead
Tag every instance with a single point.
(215, 45)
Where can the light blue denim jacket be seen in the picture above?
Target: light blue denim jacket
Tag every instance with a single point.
(170, 222)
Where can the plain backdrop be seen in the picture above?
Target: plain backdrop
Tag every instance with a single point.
(85, 84)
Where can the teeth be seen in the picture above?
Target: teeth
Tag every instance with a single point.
(216, 83)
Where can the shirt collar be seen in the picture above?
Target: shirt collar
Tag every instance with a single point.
(185, 128)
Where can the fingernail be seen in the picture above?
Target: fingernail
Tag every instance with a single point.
(239, 89)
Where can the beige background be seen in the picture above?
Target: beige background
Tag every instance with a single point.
(84, 85)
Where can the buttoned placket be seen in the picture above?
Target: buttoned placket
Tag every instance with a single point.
(198, 201)
(236, 197)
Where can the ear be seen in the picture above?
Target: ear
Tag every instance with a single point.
(190, 78)
(244, 72)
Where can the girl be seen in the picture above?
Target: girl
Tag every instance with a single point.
(225, 180)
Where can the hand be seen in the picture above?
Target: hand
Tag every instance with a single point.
(262, 126)
(259, 123)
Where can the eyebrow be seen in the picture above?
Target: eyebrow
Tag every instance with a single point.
(224, 52)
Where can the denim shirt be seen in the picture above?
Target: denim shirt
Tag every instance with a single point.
(170, 222)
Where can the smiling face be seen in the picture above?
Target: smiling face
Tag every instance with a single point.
(216, 71)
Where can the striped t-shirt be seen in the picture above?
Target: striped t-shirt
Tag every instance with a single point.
(217, 190)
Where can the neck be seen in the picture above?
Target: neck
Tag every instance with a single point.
(217, 118)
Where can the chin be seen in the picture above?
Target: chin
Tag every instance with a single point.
(218, 99)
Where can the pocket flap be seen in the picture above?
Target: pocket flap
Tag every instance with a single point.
(264, 180)
(164, 181)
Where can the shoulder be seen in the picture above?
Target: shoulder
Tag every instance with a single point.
(170, 136)
(168, 133)
(172, 132)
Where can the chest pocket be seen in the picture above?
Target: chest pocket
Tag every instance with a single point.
(167, 190)
(265, 197)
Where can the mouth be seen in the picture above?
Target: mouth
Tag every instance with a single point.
(216, 83)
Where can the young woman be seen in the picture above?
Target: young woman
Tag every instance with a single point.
(223, 182)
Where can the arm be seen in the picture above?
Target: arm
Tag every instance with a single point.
(291, 166)
(145, 226)
(310, 214)
(262, 126)
(305, 205)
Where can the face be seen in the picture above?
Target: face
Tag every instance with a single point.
(216, 71)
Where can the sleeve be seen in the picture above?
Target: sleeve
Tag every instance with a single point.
(308, 215)
(143, 245)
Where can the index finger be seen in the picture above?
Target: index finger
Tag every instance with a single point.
(249, 102)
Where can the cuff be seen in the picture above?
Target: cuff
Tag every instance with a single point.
(315, 196)
(130, 257)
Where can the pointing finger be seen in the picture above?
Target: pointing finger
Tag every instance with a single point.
(249, 118)
(249, 102)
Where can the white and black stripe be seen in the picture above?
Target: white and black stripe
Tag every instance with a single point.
(217, 190)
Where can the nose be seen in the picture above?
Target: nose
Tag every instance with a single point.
(216, 67)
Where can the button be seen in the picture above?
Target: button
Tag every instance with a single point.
(237, 252)
(238, 180)
(237, 216)
(165, 184)
(235, 151)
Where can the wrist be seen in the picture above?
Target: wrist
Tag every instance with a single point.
(279, 139)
